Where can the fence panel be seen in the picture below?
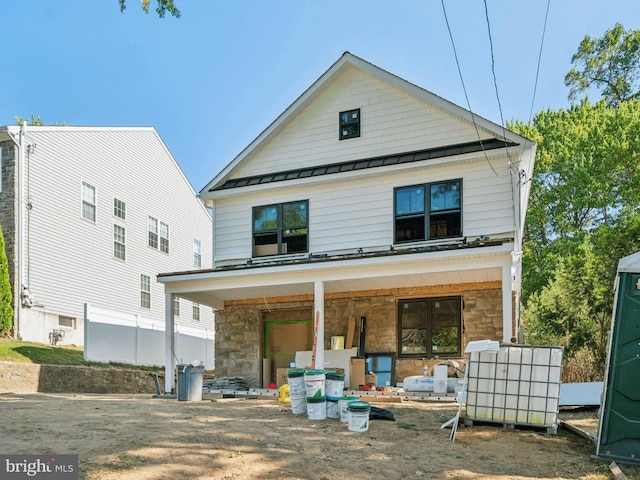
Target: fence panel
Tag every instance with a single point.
(123, 338)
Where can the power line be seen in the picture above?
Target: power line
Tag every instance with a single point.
(535, 86)
(464, 88)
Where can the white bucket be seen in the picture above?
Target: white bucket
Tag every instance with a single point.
(295, 378)
(298, 404)
(358, 416)
(317, 408)
(334, 385)
(333, 409)
(314, 381)
(440, 374)
(342, 404)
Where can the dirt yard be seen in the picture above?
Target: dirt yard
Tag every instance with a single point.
(139, 437)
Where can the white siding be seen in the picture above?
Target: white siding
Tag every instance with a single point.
(358, 213)
(71, 259)
(392, 121)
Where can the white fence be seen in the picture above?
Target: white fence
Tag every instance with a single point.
(123, 338)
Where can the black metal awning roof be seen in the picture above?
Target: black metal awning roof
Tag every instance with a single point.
(353, 165)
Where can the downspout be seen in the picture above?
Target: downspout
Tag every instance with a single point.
(20, 278)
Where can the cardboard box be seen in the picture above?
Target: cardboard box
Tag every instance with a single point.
(281, 376)
(371, 378)
(356, 373)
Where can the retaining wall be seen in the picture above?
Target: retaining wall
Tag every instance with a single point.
(29, 377)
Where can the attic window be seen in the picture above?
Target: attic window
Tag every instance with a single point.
(350, 124)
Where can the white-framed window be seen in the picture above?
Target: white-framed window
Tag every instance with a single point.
(145, 291)
(68, 322)
(153, 232)
(197, 253)
(88, 202)
(119, 209)
(164, 237)
(196, 311)
(119, 248)
(176, 306)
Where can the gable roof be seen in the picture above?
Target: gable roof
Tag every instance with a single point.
(223, 180)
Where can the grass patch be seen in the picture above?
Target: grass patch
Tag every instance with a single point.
(28, 352)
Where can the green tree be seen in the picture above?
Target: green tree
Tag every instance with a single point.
(587, 173)
(163, 6)
(610, 64)
(6, 298)
(35, 121)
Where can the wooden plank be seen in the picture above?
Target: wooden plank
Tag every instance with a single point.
(617, 473)
(351, 328)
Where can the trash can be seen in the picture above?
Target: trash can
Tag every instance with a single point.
(190, 381)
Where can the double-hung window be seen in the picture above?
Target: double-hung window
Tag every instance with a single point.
(195, 310)
(153, 232)
(428, 212)
(145, 291)
(281, 228)
(88, 202)
(430, 327)
(119, 209)
(197, 253)
(164, 237)
(119, 246)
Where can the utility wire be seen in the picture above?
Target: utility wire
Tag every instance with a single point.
(535, 86)
(495, 81)
(464, 88)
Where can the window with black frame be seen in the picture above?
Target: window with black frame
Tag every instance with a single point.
(430, 327)
(428, 211)
(349, 124)
(280, 228)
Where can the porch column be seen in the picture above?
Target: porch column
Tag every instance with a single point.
(169, 342)
(507, 303)
(318, 319)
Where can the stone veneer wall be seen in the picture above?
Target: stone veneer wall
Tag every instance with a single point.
(30, 377)
(238, 326)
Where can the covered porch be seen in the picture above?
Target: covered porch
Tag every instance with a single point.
(318, 278)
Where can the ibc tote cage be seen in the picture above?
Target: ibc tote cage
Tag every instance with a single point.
(517, 385)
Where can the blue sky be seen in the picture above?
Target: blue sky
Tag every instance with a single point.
(212, 80)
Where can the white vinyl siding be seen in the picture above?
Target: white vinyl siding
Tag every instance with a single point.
(358, 213)
(392, 121)
(119, 161)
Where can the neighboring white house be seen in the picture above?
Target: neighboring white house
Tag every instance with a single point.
(90, 215)
(370, 200)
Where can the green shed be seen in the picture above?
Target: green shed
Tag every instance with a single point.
(618, 435)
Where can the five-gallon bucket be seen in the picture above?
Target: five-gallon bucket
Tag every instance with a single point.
(342, 404)
(358, 416)
(317, 408)
(314, 381)
(295, 378)
(333, 409)
(334, 385)
(298, 403)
